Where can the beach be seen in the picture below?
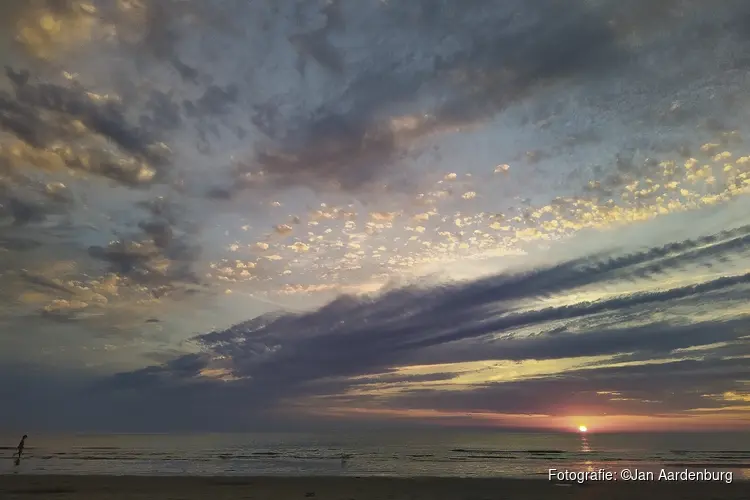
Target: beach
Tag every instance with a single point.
(17, 487)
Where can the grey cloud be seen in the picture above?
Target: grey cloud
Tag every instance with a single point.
(40, 115)
(18, 244)
(335, 151)
(652, 340)
(296, 354)
(316, 45)
(23, 122)
(155, 36)
(106, 119)
(574, 311)
(347, 142)
(214, 101)
(165, 112)
(506, 53)
(178, 369)
(344, 141)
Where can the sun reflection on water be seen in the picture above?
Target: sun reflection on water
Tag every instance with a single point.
(586, 448)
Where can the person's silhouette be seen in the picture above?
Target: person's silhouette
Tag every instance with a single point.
(21, 445)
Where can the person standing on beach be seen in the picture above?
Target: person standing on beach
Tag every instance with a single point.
(20, 449)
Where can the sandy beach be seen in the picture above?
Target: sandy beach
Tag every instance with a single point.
(343, 488)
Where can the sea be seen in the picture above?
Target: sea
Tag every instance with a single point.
(405, 454)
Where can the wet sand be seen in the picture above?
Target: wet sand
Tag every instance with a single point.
(13, 487)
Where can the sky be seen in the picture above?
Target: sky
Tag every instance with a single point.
(226, 215)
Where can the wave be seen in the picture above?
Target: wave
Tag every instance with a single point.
(480, 450)
(473, 458)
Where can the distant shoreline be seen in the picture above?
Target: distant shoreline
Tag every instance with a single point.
(20, 486)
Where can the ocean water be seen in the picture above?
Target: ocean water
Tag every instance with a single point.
(434, 453)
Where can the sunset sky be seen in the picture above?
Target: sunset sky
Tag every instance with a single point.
(285, 214)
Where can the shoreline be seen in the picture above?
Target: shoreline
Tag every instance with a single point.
(91, 487)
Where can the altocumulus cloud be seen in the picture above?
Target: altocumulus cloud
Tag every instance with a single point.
(174, 167)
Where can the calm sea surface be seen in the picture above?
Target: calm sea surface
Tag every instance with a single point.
(445, 453)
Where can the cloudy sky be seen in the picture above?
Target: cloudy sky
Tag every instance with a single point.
(237, 215)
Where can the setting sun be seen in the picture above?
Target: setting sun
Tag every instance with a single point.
(582, 428)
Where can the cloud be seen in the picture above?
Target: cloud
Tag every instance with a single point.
(353, 144)
(493, 320)
(106, 119)
(349, 141)
(168, 169)
(652, 340)
(657, 389)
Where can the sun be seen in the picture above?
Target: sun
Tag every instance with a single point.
(583, 428)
